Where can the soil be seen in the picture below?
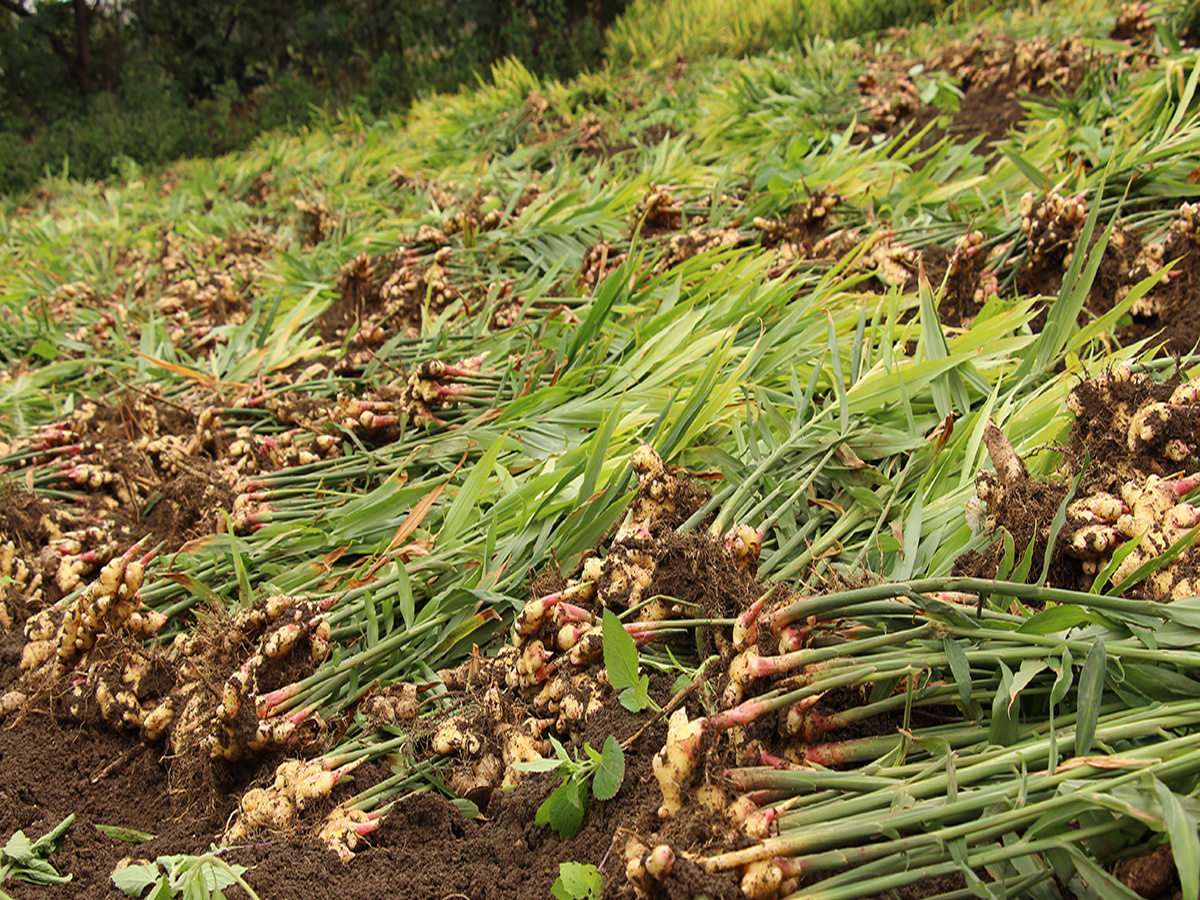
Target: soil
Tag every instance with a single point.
(424, 849)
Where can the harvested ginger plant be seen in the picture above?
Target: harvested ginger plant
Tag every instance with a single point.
(1132, 447)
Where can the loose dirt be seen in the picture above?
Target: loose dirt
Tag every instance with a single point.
(425, 848)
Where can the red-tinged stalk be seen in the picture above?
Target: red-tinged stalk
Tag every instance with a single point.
(812, 726)
(675, 763)
(529, 619)
(648, 632)
(532, 614)
(765, 798)
(852, 827)
(1181, 486)
(980, 783)
(745, 629)
(575, 614)
(861, 750)
(794, 637)
(768, 666)
(766, 758)
(876, 864)
(635, 628)
(362, 829)
(750, 710)
(265, 704)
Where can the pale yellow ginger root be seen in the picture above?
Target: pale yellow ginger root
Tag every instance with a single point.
(396, 703)
(1109, 387)
(1161, 521)
(451, 738)
(891, 261)
(635, 868)
(656, 493)
(36, 653)
(630, 573)
(740, 675)
(744, 544)
(344, 829)
(478, 779)
(305, 781)
(21, 578)
(11, 702)
(644, 867)
(588, 648)
(660, 862)
(285, 627)
(1149, 512)
(1182, 237)
(519, 743)
(1052, 224)
(676, 762)
(104, 606)
(761, 880)
(682, 247)
(260, 808)
(276, 808)
(156, 722)
(712, 796)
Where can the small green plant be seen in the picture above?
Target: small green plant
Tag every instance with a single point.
(563, 809)
(26, 860)
(577, 881)
(182, 876)
(621, 661)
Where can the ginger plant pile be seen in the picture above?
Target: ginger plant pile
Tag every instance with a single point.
(549, 678)
(1133, 445)
(211, 695)
(763, 698)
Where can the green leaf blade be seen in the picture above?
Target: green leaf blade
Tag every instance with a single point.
(610, 772)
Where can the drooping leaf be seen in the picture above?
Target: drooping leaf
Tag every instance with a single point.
(1091, 693)
(960, 668)
(1184, 835)
(135, 879)
(621, 662)
(1002, 730)
(128, 835)
(563, 809)
(611, 770)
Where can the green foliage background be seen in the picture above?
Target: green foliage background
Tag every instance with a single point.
(168, 80)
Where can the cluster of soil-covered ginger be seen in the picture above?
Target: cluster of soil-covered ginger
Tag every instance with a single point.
(208, 702)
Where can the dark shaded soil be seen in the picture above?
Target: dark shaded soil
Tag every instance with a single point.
(424, 849)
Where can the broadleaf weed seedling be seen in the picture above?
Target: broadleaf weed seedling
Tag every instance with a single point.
(203, 876)
(577, 881)
(26, 860)
(563, 809)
